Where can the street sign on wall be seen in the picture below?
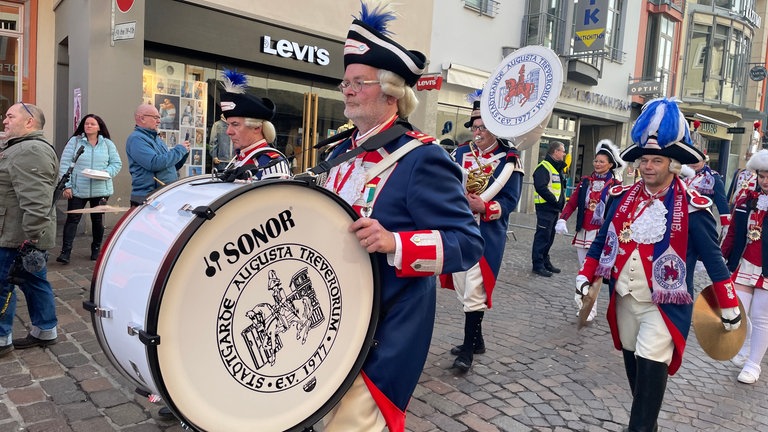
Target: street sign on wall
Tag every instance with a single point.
(591, 20)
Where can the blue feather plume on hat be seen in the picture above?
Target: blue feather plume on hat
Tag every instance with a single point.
(661, 118)
(475, 95)
(377, 17)
(234, 81)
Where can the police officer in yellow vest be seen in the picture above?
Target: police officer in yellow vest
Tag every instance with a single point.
(549, 197)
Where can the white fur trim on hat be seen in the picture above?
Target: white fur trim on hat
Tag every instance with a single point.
(758, 161)
(607, 145)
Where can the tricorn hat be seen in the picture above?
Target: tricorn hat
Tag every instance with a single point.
(475, 98)
(715, 340)
(368, 43)
(235, 102)
(607, 148)
(661, 129)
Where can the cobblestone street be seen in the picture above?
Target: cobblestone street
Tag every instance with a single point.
(539, 373)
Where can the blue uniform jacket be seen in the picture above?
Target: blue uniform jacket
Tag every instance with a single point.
(423, 192)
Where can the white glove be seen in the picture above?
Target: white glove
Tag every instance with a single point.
(560, 227)
(731, 318)
(582, 288)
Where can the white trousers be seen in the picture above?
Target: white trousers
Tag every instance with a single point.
(356, 411)
(642, 330)
(470, 289)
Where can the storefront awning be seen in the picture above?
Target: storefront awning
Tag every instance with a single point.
(465, 76)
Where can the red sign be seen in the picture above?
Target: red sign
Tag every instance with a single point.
(429, 82)
(124, 5)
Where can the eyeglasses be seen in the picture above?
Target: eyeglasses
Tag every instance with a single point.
(356, 85)
(478, 128)
(156, 117)
(27, 109)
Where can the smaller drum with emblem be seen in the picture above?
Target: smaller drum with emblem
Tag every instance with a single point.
(245, 307)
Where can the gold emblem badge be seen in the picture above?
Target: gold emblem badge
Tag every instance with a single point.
(592, 205)
(625, 235)
(754, 233)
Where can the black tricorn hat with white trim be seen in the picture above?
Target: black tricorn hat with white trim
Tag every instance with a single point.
(661, 129)
(368, 43)
(235, 102)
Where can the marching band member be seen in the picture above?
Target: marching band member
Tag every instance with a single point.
(744, 247)
(415, 218)
(250, 128)
(708, 182)
(647, 247)
(493, 190)
(589, 201)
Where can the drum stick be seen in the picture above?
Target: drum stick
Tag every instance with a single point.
(158, 180)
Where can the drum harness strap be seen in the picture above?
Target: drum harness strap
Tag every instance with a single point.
(373, 143)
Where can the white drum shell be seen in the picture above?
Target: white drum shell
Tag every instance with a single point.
(155, 275)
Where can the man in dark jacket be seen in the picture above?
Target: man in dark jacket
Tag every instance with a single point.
(28, 170)
(549, 197)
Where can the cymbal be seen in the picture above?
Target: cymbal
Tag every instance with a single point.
(713, 338)
(588, 301)
(101, 209)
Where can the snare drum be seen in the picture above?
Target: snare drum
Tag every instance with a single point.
(246, 307)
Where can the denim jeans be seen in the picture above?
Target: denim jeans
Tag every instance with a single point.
(40, 301)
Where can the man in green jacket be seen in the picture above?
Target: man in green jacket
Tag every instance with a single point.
(28, 174)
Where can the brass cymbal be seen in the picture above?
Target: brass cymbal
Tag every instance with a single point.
(717, 342)
(588, 301)
(101, 209)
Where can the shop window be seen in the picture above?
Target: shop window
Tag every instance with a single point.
(12, 48)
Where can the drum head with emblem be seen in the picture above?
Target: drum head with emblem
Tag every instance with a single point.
(521, 93)
(265, 311)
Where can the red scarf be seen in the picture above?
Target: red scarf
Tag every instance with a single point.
(666, 270)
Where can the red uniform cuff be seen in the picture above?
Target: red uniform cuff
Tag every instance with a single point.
(589, 268)
(422, 254)
(492, 211)
(725, 220)
(726, 294)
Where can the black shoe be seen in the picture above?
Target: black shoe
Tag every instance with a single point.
(462, 364)
(457, 349)
(5, 350)
(542, 272)
(63, 258)
(165, 414)
(551, 268)
(94, 255)
(31, 342)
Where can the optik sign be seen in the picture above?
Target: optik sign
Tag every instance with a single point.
(591, 17)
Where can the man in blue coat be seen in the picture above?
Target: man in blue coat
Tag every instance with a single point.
(495, 179)
(151, 163)
(415, 219)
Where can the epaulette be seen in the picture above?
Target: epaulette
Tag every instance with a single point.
(698, 200)
(421, 136)
(619, 189)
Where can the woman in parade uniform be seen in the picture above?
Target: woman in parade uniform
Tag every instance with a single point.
(709, 183)
(589, 201)
(743, 248)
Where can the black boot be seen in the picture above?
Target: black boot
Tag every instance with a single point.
(70, 229)
(630, 365)
(650, 385)
(479, 344)
(472, 325)
(548, 265)
(95, 249)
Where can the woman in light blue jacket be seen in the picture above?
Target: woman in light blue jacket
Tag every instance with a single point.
(98, 154)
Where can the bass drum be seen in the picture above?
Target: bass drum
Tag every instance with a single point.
(245, 307)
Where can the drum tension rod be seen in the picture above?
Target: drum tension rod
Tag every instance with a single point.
(100, 312)
(199, 211)
(144, 337)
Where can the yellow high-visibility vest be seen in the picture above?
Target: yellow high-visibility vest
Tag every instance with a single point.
(555, 187)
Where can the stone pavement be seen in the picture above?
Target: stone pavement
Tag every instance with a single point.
(539, 373)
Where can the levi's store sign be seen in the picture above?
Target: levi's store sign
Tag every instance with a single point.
(289, 49)
(429, 82)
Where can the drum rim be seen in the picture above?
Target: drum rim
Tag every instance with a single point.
(164, 270)
(97, 276)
